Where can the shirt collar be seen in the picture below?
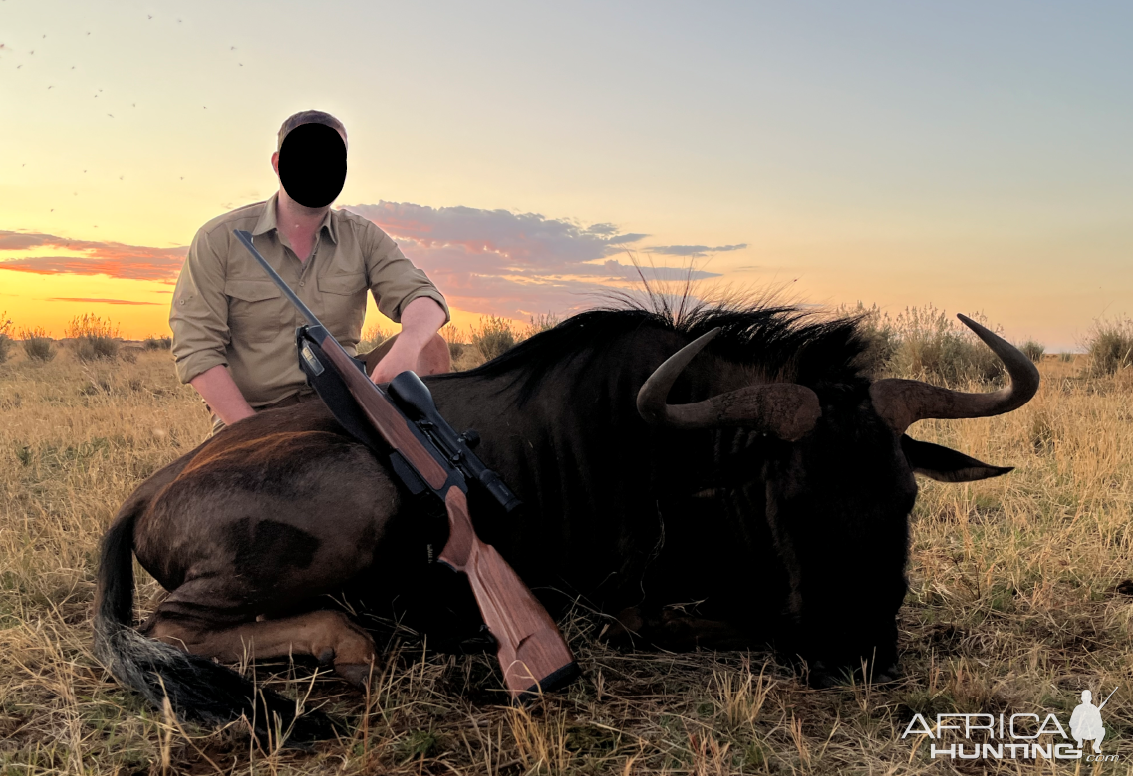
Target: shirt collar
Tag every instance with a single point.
(267, 220)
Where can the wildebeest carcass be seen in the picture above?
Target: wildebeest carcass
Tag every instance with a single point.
(754, 470)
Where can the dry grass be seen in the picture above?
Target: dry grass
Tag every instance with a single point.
(95, 339)
(5, 337)
(1012, 607)
(37, 344)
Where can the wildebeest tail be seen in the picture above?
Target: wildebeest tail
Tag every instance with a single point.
(198, 689)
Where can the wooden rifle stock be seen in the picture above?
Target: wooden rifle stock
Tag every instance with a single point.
(533, 655)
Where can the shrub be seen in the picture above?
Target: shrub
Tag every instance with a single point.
(1066, 358)
(455, 346)
(1033, 350)
(923, 344)
(373, 336)
(158, 343)
(493, 336)
(540, 323)
(5, 336)
(1109, 345)
(876, 329)
(37, 345)
(932, 345)
(95, 338)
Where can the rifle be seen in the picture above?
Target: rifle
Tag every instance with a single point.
(429, 457)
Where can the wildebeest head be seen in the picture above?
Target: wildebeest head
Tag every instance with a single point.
(824, 474)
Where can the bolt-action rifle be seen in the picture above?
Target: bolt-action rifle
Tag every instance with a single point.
(428, 456)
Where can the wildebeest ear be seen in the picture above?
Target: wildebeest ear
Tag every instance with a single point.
(945, 464)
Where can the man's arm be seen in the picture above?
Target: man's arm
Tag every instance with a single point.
(420, 320)
(404, 295)
(198, 319)
(219, 390)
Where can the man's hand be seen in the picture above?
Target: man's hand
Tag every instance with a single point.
(419, 323)
(402, 357)
(219, 390)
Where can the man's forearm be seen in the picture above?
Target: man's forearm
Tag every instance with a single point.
(420, 320)
(219, 390)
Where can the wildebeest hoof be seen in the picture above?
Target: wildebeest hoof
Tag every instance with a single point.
(358, 674)
(622, 633)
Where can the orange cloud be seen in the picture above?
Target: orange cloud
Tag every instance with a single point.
(117, 260)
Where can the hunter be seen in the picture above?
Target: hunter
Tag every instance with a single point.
(234, 332)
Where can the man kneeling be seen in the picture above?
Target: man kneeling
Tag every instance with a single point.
(234, 332)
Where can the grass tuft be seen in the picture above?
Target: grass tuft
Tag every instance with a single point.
(1109, 345)
(95, 339)
(5, 336)
(37, 345)
(1033, 350)
(492, 336)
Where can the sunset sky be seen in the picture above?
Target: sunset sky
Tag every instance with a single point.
(975, 156)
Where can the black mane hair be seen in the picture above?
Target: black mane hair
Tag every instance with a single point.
(810, 348)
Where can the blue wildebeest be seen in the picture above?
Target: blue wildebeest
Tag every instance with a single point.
(755, 470)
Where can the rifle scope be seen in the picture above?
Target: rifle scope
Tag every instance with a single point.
(414, 399)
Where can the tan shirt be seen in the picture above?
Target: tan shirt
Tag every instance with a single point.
(227, 311)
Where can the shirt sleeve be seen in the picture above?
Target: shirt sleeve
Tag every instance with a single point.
(198, 316)
(394, 280)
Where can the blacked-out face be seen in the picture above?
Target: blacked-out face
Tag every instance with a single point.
(837, 505)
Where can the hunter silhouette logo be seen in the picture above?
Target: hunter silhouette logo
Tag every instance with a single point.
(1016, 736)
(1086, 721)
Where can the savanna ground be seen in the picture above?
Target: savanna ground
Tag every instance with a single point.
(1015, 605)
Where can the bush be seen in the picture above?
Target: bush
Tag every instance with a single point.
(5, 336)
(373, 336)
(37, 345)
(493, 336)
(1066, 358)
(158, 343)
(455, 346)
(540, 323)
(95, 339)
(934, 346)
(923, 344)
(1109, 345)
(1033, 350)
(876, 330)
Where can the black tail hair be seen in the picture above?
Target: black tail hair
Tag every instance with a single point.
(198, 689)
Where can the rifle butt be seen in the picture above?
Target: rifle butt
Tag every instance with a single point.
(533, 655)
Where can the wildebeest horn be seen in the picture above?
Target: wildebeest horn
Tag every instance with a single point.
(902, 403)
(784, 409)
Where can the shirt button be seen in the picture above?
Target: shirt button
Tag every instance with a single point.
(302, 282)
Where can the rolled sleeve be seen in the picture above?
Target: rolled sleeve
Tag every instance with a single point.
(394, 280)
(198, 316)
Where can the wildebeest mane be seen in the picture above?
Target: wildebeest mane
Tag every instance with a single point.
(804, 346)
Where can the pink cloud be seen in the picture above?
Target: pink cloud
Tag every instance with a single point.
(483, 261)
(131, 262)
(513, 264)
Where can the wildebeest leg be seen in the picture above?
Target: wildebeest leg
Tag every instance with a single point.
(329, 637)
